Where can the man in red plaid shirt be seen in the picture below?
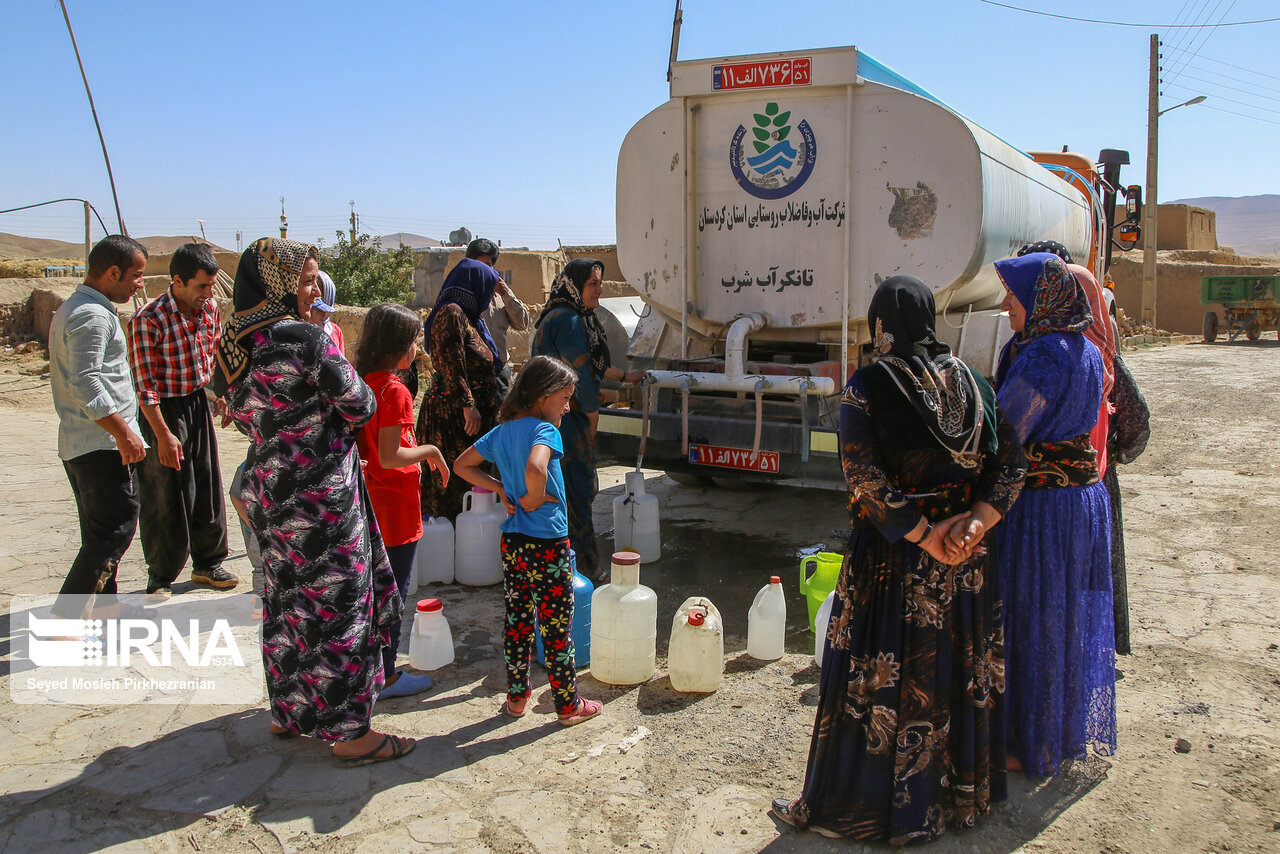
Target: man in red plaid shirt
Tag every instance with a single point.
(172, 341)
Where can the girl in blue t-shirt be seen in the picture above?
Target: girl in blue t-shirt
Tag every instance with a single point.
(526, 448)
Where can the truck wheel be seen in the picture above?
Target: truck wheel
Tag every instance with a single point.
(1210, 327)
(1253, 329)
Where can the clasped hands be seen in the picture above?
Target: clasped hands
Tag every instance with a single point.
(958, 538)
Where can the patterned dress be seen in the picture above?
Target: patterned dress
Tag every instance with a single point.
(909, 738)
(463, 376)
(1055, 560)
(330, 595)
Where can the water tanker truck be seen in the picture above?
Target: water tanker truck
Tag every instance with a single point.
(757, 211)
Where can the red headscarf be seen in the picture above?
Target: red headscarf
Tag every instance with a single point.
(1100, 332)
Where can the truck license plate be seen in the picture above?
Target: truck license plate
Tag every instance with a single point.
(733, 458)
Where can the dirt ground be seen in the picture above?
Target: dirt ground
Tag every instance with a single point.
(1201, 520)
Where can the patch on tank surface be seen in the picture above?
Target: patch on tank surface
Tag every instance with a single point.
(914, 210)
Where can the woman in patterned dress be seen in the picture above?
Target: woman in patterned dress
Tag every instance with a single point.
(909, 738)
(461, 400)
(1055, 547)
(330, 595)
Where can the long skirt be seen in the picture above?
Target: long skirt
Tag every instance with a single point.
(909, 737)
(1119, 574)
(330, 599)
(581, 483)
(1055, 569)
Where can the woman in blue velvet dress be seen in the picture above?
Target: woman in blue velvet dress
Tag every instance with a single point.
(1055, 545)
(909, 739)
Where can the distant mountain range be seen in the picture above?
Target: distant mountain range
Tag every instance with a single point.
(16, 246)
(1248, 224)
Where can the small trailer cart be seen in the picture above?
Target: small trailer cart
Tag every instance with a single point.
(1249, 304)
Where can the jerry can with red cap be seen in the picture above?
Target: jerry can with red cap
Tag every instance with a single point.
(695, 659)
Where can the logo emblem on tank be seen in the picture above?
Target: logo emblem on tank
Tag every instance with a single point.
(773, 162)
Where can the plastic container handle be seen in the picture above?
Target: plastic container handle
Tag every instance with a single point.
(805, 579)
(466, 501)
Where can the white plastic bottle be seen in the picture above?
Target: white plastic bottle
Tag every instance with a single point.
(635, 520)
(478, 539)
(624, 625)
(767, 622)
(820, 627)
(431, 643)
(434, 558)
(695, 662)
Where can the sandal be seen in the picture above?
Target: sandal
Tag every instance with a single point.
(282, 734)
(584, 710)
(785, 810)
(511, 711)
(399, 747)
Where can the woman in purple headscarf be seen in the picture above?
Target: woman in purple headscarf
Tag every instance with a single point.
(461, 399)
(1055, 545)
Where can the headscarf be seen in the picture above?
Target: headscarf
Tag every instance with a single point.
(936, 383)
(1053, 299)
(1100, 331)
(1053, 247)
(470, 286)
(328, 301)
(266, 290)
(567, 290)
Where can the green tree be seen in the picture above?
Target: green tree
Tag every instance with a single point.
(365, 274)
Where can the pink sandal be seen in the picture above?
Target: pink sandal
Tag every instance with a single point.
(584, 710)
(511, 711)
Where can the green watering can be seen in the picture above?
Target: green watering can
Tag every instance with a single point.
(818, 576)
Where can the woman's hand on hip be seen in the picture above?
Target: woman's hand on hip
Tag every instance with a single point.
(471, 420)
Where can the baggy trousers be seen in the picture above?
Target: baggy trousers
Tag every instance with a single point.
(107, 505)
(183, 511)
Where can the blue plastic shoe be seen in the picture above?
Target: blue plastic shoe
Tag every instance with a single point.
(407, 685)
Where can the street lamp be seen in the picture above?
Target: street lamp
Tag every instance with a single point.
(1151, 203)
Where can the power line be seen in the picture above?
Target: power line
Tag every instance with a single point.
(1203, 41)
(1242, 115)
(1126, 23)
(54, 202)
(1257, 86)
(1232, 88)
(1240, 68)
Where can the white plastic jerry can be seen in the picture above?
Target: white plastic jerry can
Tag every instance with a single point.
(635, 520)
(478, 539)
(820, 627)
(767, 622)
(433, 561)
(624, 625)
(695, 661)
(431, 643)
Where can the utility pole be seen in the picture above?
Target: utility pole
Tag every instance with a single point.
(87, 235)
(353, 222)
(284, 223)
(239, 241)
(1150, 203)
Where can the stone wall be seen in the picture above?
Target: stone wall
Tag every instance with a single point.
(158, 264)
(529, 273)
(607, 254)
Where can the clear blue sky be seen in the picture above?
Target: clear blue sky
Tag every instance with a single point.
(507, 117)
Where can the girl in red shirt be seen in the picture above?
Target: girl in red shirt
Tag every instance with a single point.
(392, 459)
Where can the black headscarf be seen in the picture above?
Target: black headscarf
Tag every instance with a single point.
(469, 285)
(566, 290)
(937, 384)
(1053, 247)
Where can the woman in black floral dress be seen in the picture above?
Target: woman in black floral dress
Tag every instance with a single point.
(461, 399)
(909, 738)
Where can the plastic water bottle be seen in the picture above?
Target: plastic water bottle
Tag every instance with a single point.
(434, 559)
(767, 622)
(696, 658)
(478, 539)
(580, 631)
(431, 643)
(820, 627)
(624, 625)
(635, 520)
